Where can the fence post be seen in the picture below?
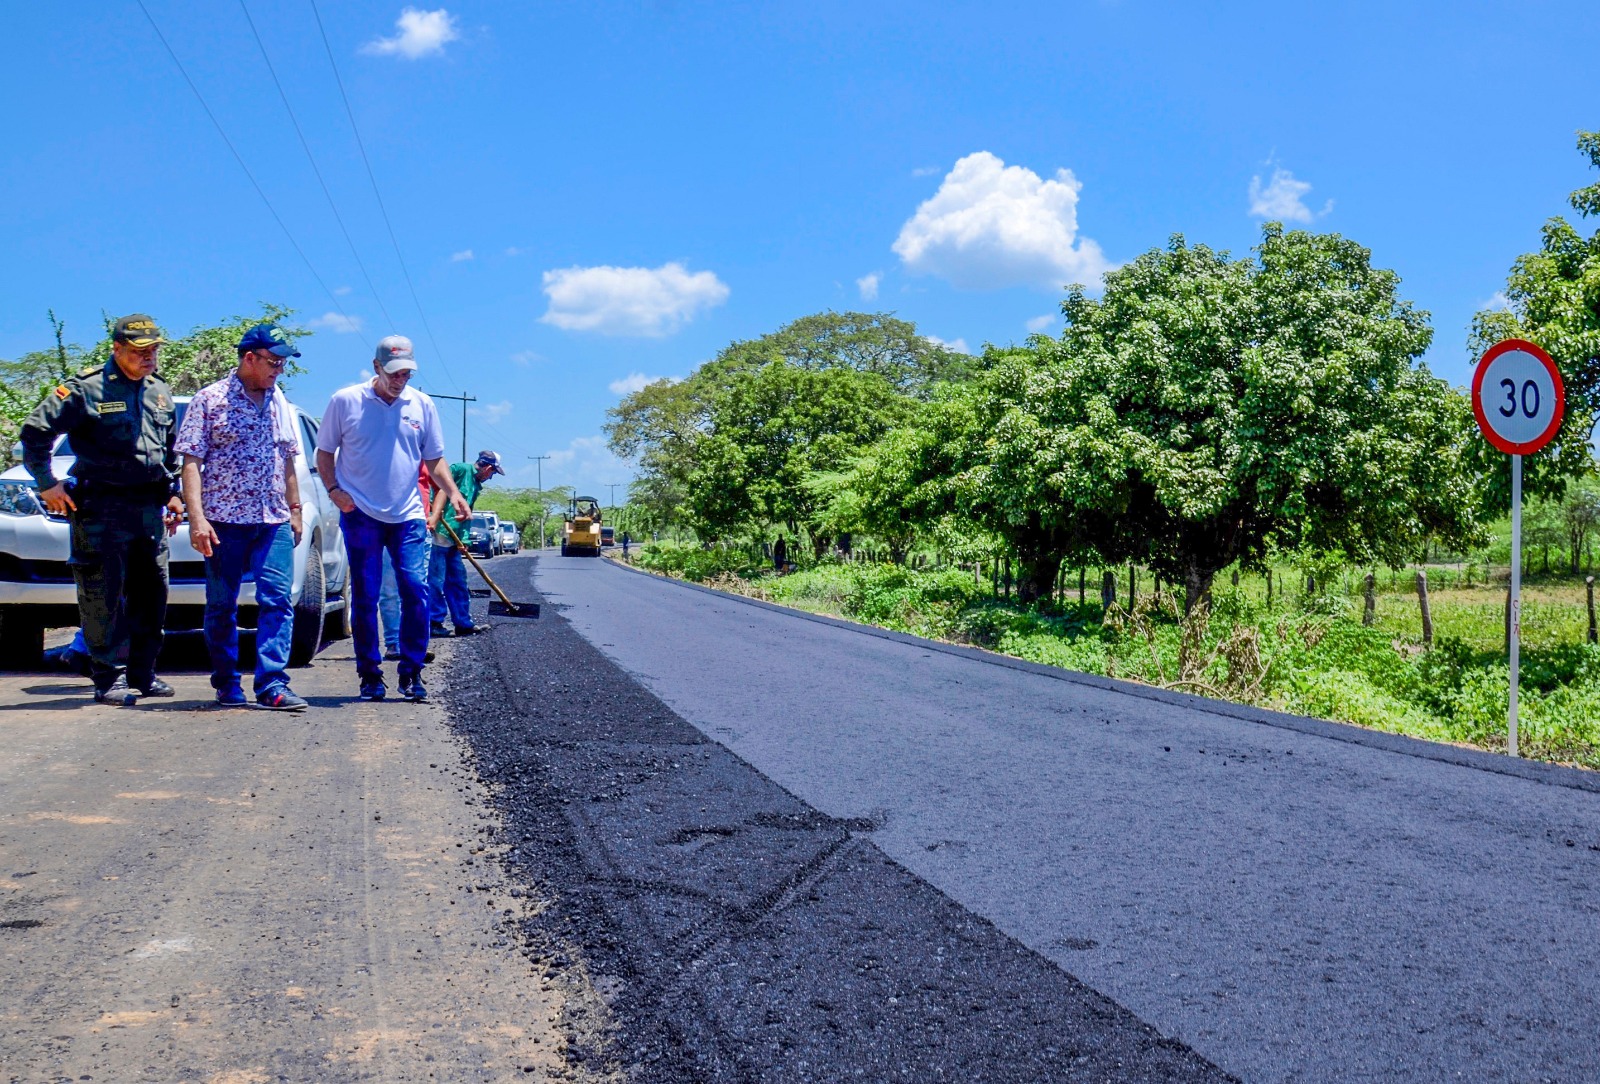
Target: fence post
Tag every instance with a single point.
(1236, 577)
(1369, 612)
(1311, 585)
(1427, 615)
(1269, 588)
(1083, 574)
(1133, 577)
(1108, 589)
(1588, 584)
(1008, 579)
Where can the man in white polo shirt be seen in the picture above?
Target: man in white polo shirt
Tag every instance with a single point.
(373, 437)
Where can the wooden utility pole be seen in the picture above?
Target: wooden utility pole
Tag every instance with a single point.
(544, 510)
(463, 400)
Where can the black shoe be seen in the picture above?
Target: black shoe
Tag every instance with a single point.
(412, 689)
(472, 630)
(155, 687)
(439, 631)
(391, 655)
(373, 689)
(116, 693)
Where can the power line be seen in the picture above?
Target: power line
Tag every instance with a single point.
(312, 159)
(371, 176)
(237, 157)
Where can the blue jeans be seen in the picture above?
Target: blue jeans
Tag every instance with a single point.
(447, 579)
(367, 540)
(266, 551)
(389, 607)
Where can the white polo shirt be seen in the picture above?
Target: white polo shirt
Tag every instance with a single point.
(380, 447)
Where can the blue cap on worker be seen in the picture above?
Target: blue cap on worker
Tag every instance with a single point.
(490, 459)
(268, 337)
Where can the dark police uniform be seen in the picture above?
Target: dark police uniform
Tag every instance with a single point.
(122, 432)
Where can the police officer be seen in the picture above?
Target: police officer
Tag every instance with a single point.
(122, 500)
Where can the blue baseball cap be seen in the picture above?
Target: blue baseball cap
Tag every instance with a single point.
(268, 337)
(490, 459)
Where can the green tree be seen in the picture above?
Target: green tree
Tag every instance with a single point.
(866, 342)
(1554, 300)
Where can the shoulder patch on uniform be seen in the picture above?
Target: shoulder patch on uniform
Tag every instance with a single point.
(91, 370)
(63, 392)
(112, 406)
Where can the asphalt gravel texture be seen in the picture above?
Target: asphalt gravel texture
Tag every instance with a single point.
(736, 932)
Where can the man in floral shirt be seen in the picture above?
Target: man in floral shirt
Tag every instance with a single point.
(238, 445)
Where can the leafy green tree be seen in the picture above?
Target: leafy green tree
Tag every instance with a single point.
(1580, 516)
(1554, 300)
(1245, 406)
(866, 342)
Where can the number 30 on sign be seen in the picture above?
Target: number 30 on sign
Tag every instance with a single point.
(1518, 397)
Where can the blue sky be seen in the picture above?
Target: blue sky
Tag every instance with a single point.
(590, 193)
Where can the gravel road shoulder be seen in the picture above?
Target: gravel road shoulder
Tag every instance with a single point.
(240, 896)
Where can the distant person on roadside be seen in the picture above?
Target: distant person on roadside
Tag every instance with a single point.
(780, 555)
(374, 436)
(625, 541)
(447, 572)
(122, 500)
(239, 442)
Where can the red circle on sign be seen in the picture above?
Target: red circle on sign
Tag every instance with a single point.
(1528, 447)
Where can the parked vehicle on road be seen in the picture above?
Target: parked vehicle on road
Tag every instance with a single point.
(37, 590)
(608, 537)
(493, 519)
(479, 540)
(510, 538)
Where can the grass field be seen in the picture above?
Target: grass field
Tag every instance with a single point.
(1308, 654)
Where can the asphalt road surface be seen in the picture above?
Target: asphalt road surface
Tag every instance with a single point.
(1289, 900)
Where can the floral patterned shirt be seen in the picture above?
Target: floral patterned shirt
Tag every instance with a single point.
(244, 451)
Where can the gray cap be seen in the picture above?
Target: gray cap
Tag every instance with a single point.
(394, 354)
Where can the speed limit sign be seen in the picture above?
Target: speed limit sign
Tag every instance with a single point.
(1518, 397)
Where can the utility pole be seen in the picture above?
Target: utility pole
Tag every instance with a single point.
(464, 400)
(613, 487)
(544, 509)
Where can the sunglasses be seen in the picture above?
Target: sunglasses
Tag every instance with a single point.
(271, 359)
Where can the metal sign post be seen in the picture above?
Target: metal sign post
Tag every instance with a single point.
(1519, 400)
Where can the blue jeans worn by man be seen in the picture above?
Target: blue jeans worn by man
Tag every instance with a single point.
(367, 540)
(266, 551)
(447, 583)
(389, 610)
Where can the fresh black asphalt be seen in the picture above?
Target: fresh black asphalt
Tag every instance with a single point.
(1293, 900)
(742, 934)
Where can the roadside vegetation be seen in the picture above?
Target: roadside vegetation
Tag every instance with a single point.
(1247, 437)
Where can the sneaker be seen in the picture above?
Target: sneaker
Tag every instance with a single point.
(439, 631)
(232, 697)
(373, 689)
(116, 693)
(391, 654)
(412, 689)
(154, 687)
(279, 698)
(470, 630)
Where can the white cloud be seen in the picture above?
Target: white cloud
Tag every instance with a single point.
(634, 382)
(868, 285)
(925, 171)
(1499, 302)
(341, 290)
(1283, 198)
(527, 357)
(958, 345)
(588, 464)
(629, 300)
(493, 413)
(513, 251)
(338, 323)
(1040, 323)
(421, 33)
(992, 225)
(464, 254)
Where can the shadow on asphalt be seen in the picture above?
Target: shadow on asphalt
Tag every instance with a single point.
(746, 935)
